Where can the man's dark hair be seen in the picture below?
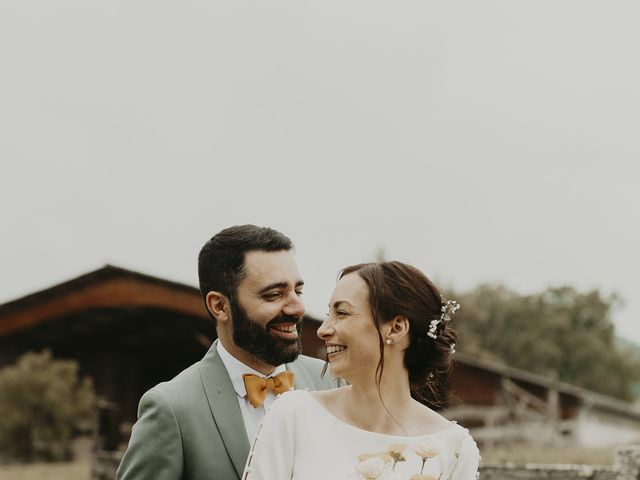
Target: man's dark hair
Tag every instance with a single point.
(221, 260)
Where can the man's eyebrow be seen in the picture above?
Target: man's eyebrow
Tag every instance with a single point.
(275, 285)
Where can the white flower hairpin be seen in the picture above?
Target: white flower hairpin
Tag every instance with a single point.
(448, 308)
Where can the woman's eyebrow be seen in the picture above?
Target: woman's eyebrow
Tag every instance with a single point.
(337, 303)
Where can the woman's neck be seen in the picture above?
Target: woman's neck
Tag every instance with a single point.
(382, 409)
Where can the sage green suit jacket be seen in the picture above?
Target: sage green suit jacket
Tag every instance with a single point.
(191, 427)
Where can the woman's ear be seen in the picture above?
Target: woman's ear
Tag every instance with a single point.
(219, 306)
(398, 329)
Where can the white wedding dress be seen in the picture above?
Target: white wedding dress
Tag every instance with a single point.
(299, 439)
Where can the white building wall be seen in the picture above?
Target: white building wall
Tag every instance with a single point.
(597, 428)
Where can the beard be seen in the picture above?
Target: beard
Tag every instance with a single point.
(256, 339)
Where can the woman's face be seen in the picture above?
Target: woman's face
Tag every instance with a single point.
(349, 333)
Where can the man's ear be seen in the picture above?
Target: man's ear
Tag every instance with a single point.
(219, 306)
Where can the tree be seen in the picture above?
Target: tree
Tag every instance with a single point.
(42, 400)
(558, 332)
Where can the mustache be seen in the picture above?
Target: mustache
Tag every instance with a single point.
(280, 319)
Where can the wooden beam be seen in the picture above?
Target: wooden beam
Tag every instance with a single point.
(115, 292)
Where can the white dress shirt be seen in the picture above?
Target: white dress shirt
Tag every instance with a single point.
(251, 416)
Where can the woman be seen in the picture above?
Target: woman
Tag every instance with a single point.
(388, 335)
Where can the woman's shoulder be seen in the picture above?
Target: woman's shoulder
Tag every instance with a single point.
(294, 400)
(466, 440)
(292, 397)
(288, 406)
(429, 422)
(295, 407)
(463, 443)
(328, 396)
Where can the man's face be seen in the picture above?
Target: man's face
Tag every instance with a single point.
(268, 312)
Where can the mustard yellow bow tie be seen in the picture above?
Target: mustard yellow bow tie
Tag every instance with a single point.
(257, 387)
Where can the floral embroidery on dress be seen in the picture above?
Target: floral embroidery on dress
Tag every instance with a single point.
(381, 465)
(425, 453)
(395, 452)
(371, 468)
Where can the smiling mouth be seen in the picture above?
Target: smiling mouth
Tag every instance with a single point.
(333, 349)
(286, 327)
(286, 330)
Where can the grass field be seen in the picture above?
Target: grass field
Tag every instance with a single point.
(79, 470)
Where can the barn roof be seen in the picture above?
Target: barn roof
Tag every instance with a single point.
(106, 287)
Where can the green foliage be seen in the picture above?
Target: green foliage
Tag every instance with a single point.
(559, 332)
(42, 400)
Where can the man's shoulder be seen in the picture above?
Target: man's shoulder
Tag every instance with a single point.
(313, 373)
(310, 364)
(179, 387)
(184, 383)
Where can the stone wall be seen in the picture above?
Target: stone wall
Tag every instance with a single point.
(546, 472)
(626, 467)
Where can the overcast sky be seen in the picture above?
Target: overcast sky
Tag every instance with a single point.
(492, 141)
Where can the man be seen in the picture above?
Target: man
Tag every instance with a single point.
(199, 425)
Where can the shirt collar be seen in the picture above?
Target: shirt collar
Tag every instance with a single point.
(236, 369)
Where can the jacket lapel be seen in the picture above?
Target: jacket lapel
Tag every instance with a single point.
(224, 407)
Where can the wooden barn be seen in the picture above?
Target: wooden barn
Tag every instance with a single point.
(129, 331)
(504, 405)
